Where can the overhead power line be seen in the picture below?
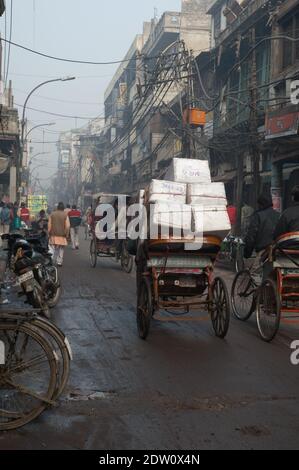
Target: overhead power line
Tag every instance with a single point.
(60, 115)
(48, 98)
(75, 61)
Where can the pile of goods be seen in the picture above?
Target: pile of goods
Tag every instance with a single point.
(187, 199)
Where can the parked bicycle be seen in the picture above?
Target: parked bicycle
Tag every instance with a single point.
(34, 366)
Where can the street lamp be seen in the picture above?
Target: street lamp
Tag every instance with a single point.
(19, 164)
(63, 79)
(39, 125)
(36, 155)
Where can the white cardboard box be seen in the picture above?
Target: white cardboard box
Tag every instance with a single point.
(206, 189)
(202, 194)
(185, 170)
(207, 201)
(170, 219)
(172, 198)
(211, 221)
(167, 187)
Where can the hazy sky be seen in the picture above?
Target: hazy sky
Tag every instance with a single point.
(96, 30)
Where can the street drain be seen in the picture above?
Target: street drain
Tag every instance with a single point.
(79, 395)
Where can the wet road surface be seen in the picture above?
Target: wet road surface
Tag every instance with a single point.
(181, 389)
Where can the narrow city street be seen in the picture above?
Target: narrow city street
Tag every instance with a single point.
(181, 389)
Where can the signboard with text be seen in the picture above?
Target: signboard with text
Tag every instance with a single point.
(281, 126)
(36, 203)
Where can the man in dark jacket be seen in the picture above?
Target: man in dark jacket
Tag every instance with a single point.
(289, 220)
(261, 228)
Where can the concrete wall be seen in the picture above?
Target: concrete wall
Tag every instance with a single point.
(196, 24)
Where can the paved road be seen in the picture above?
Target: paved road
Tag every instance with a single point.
(181, 389)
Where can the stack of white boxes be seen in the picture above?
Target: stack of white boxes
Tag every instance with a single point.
(188, 190)
(167, 200)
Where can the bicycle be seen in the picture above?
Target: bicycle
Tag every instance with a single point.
(275, 293)
(232, 250)
(35, 367)
(244, 292)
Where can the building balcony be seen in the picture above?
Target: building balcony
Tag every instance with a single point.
(165, 32)
(248, 13)
(9, 123)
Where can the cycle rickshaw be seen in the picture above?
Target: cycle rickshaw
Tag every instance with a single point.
(104, 246)
(171, 278)
(277, 294)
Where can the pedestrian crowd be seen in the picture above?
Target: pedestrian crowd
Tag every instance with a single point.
(59, 227)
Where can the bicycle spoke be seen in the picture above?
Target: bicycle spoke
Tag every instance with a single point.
(41, 359)
(26, 391)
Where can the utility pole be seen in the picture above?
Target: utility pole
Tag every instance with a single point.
(254, 123)
(187, 131)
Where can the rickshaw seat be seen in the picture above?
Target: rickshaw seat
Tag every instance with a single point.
(179, 261)
(286, 251)
(210, 245)
(288, 241)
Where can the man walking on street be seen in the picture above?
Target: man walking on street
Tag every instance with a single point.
(75, 222)
(58, 228)
(67, 209)
(25, 214)
(5, 219)
(260, 232)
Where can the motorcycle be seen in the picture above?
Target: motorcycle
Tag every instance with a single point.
(29, 276)
(32, 263)
(48, 272)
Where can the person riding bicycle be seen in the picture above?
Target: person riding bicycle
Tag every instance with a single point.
(289, 220)
(261, 228)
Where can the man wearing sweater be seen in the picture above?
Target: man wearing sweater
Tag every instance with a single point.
(75, 218)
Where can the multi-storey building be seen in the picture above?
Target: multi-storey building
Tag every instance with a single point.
(240, 60)
(9, 137)
(282, 117)
(137, 101)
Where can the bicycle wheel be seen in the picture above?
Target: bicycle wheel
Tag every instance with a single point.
(126, 259)
(144, 308)
(243, 295)
(268, 310)
(239, 258)
(93, 254)
(220, 307)
(62, 350)
(28, 376)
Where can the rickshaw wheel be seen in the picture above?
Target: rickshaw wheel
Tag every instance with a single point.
(268, 310)
(243, 295)
(126, 259)
(93, 254)
(144, 308)
(220, 307)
